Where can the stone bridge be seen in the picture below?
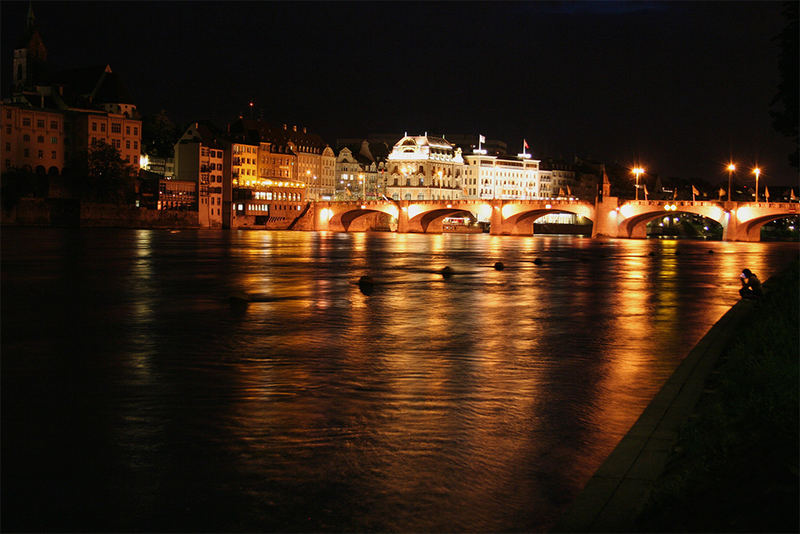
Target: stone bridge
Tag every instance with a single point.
(611, 217)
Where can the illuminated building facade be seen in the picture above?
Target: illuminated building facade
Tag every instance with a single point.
(32, 139)
(424, 168)
(290, 154)
(88, 129)
(324, 190)
(557, 179)
(501, 177)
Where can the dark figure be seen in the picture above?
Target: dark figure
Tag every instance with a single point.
(751, 285)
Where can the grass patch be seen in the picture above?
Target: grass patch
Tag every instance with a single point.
(735, 465)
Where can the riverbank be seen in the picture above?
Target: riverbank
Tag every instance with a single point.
(716, 449)
(735, 465)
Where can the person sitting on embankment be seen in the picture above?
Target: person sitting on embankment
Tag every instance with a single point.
(751, 285)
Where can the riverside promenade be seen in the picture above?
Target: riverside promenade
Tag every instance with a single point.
(619, 489)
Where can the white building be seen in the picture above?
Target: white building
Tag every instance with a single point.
(424, 168)
(199, 156)
(501, 177)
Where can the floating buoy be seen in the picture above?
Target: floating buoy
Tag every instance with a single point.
(446, 272)
(498, 265)
(239, 302)
(366, 285)
(537, 261)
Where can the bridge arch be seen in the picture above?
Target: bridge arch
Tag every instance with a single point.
(633, 217)
(749, 229)
(518, 218)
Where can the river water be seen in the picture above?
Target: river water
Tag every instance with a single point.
(135, 396)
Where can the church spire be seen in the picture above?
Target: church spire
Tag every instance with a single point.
(30, 21)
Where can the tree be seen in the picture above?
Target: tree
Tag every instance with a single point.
(785, 109)
(101, 175)
(159, 134)
(14, 184)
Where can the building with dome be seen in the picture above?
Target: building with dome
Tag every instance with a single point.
(424, 167)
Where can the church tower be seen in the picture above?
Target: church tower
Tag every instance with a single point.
(30, 56)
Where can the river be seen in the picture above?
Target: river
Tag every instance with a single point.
(135, 396)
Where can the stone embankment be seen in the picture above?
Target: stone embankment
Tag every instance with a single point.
(74, 213)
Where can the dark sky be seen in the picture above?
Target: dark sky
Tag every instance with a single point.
(680, 86)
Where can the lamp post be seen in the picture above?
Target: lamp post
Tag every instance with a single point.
(637, 171)
(757, 172)
(731, 168)
(363, 186)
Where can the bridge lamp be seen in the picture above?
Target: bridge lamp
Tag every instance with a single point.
(757, 172)
(731, 170)
(637, 171)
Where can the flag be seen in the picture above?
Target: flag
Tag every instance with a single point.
(560, 192)
(721, 192)
(766, 192)
(481, 139)
(645, 191)
(525, 143)
(569, 193)
(695, 191)
(675, 193)
(791, 194)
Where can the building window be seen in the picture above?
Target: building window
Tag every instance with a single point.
(135, 130)
(116, 127)
(54, 140)
(40, 123)
(26, 153)
(94, 140)
(94, 126)
(40, 139)
(53, 154)
(127, 130)
(54, 125)
(26, 138)
(136, 145)
(102, 127)
(26, 121)
(41, 154)
(127, 144)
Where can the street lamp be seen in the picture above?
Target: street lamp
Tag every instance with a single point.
(757, 172)
(363, 186)
(731, 169)
(637, 171)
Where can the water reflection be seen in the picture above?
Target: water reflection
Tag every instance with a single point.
(480, 402)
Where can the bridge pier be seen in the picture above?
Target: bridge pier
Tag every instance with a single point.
(606, 219)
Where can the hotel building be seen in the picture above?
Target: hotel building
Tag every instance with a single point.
(424, 168)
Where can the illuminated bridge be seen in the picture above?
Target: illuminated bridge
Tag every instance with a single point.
(611, 217)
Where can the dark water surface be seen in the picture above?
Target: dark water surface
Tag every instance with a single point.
(135, 397)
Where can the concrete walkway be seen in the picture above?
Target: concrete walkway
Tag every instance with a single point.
(616, 493)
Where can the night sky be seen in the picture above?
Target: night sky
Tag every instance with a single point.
(679, 87)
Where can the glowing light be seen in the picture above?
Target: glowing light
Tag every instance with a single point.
(484, 212)
(731, 167)
(414, 210)
(325, 214)
(449, 205)
(548, 206)
(626, 210)
(144, 161)
(363, 206)
(743, 214)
